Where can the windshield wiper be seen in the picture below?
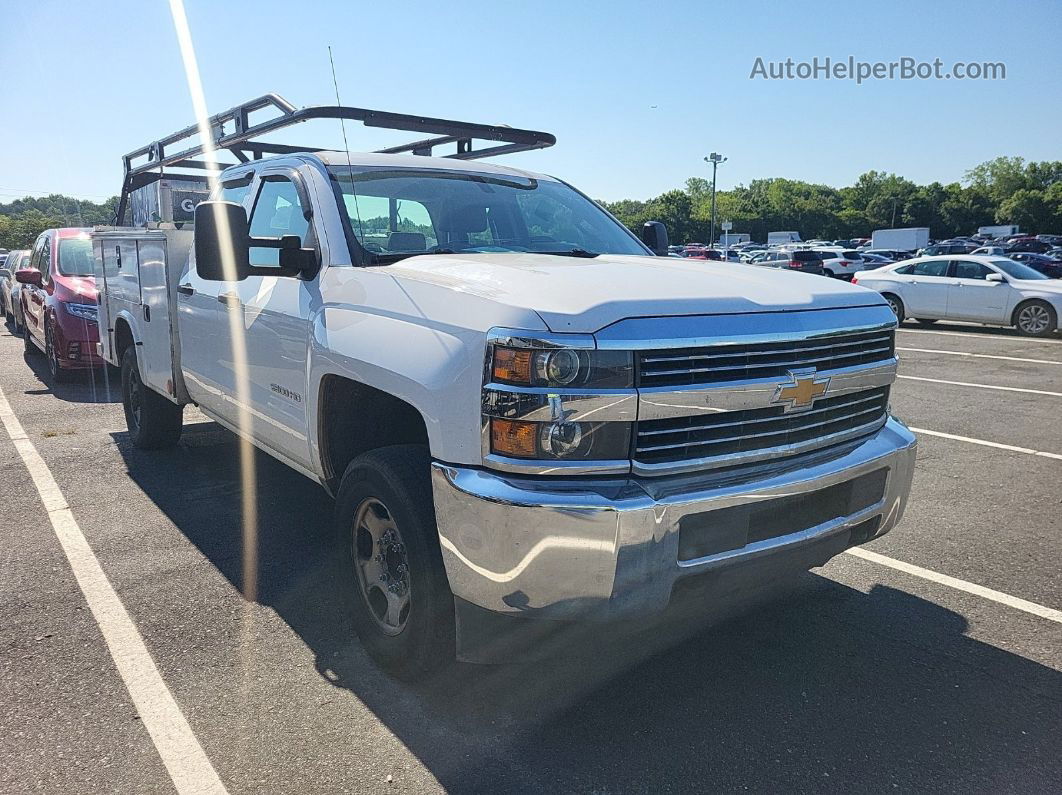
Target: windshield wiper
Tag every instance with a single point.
(572, 252)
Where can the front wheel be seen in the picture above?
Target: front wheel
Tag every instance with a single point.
(153, 421)
(1035, 319)
(55, 368)
(27, 341)
(389, 562)
(896, 305)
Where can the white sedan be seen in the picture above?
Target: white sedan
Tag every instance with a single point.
(991, 290)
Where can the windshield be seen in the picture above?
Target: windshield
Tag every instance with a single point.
(1017, 270)
(75, 257)
(395, 213)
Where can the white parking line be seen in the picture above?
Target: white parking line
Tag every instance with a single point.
(181, 753)
(981, 355)
(982, 386)
(976, 335)
(984, 443)
(960, 585)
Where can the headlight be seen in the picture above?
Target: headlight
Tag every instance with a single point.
(562, 441)
(562, 367)
(83, 311)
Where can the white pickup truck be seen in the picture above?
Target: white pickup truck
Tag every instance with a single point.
(523, 412)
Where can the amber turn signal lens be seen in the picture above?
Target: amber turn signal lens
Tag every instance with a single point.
(512, 365)
(513, 438)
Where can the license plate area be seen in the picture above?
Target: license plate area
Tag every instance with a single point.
(713, 532)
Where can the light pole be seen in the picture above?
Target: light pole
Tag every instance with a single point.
(715, 159)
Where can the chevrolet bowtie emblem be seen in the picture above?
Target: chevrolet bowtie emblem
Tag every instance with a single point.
(801, 391)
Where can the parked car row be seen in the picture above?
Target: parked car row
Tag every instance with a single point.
(10, 303)
(997, 291)
(49, 297)
(843, 258)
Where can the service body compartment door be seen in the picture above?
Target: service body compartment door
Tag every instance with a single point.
(155, 352)
(120, 267)
(106, 323)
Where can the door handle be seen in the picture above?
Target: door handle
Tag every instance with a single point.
(185, 289)
(229, 299)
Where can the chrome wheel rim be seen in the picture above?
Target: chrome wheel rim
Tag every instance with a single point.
(49, 349)
(1033, 319)
(135, 402)
(894, 305)
(381, 566)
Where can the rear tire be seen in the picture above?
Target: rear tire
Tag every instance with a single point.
(389, 564)
(1035, 319)
(896, 305)
(153, 421)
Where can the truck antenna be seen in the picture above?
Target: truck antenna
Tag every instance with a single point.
(346, 147)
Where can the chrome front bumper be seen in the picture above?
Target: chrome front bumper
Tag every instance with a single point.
(609, 547)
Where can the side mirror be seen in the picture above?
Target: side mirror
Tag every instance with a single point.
(295, 258)
(30, 277)
(996, 278)
(222, 241)
(654, 235)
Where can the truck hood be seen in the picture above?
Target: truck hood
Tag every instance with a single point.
(585, 295)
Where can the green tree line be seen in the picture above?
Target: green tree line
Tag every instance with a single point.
(23, 219)
(1007, 190)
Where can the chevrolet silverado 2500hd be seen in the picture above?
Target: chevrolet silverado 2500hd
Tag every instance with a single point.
(522, 411)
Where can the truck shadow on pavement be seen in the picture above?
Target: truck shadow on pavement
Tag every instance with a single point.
(826, 688)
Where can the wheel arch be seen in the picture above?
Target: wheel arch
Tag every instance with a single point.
(354, 418)
(125, 333)
(886, 294)
(1031, 299)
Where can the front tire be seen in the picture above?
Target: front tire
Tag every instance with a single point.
(153, 421)
(389, 562)
(896, 305)
(1035, 319)
(27, 341)
(55, 369)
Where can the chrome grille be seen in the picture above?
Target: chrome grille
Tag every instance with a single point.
(723, 362)
(760, 433)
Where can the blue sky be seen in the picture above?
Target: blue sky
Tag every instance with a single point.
(636, 93)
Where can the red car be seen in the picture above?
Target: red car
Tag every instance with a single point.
(59, 301)
(701, 252)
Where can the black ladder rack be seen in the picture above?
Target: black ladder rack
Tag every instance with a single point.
(233, 131)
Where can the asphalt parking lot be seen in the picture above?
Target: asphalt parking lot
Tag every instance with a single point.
(864, 678)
